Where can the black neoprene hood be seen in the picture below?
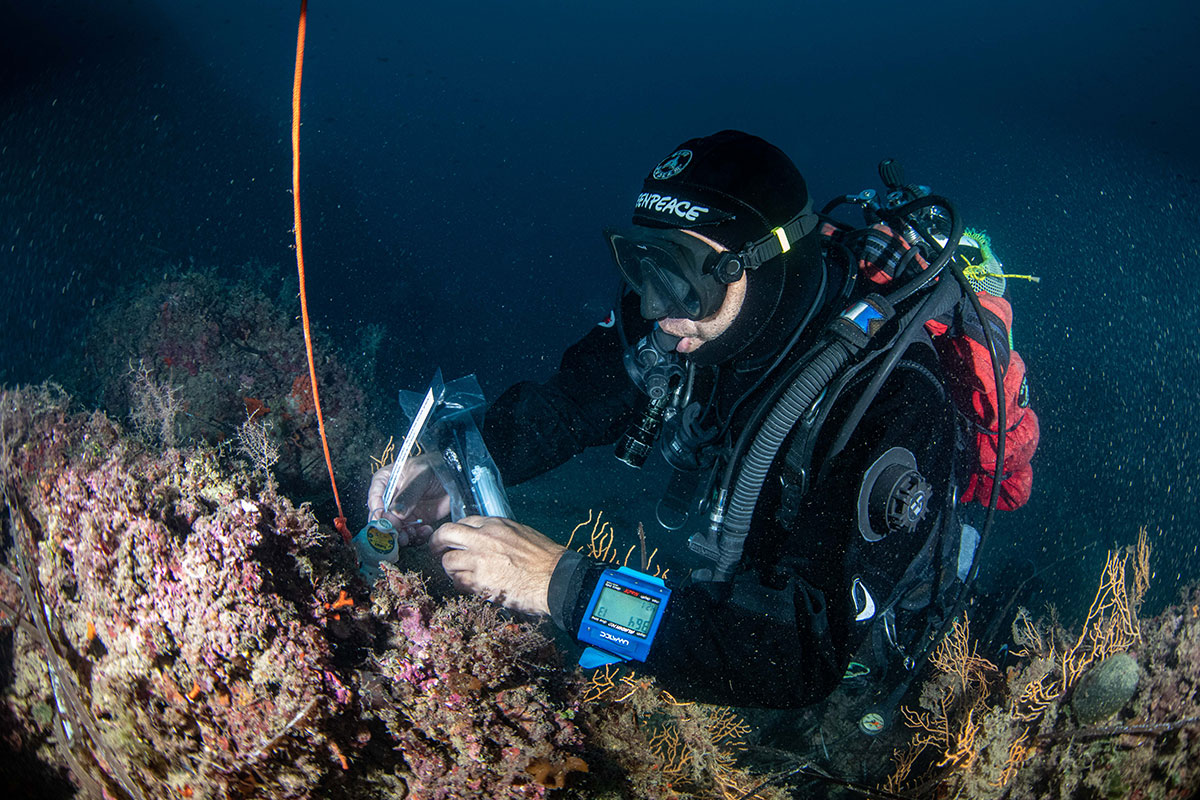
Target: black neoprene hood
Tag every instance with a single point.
(733, 188)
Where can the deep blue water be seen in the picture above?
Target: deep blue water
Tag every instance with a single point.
(460, 159)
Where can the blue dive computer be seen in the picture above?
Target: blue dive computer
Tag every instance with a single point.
(622, 617)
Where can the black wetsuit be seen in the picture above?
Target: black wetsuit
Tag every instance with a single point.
(779, 634)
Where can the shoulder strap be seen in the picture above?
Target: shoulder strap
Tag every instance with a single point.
(997, 315)
(799, 456)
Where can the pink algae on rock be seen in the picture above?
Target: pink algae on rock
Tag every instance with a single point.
(178, 628)
(472, 698)
(184, 652)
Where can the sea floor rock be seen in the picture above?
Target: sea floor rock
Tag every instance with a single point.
(1105, 689)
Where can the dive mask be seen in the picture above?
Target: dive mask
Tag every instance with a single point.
(676, 274)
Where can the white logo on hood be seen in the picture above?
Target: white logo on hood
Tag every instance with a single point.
(665, 204)
(672, 165)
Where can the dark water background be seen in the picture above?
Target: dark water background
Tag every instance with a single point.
(459, 160)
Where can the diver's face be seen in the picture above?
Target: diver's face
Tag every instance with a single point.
(695, 332)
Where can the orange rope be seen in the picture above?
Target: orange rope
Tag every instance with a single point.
(340, 521)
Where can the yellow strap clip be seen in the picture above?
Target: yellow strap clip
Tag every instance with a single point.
(784, 244)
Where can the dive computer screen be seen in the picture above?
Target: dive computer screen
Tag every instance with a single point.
(622, 617)
(625, 609)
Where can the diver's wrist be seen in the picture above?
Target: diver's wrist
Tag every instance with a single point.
(566, 584)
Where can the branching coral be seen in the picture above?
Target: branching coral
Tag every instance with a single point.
(1111, 626)
(1017, 743)
(256, 444)
(956, 656)
(155, 405)
(691, 747)
(950, 722)
(601, 548)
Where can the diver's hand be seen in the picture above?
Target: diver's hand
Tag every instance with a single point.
(420, 500)
(500, 560)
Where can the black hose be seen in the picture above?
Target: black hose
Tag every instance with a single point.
(942, 299)
(1001, 423)
(844, 200)
(797, 332)
(898, 216)
(997, 474)
(945, 261)
(799, 396)
(765, 404)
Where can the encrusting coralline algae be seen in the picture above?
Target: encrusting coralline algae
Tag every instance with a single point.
(202, 637)
(177, 628)
(172, 626)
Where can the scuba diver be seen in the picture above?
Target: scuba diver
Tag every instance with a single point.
(784, 364)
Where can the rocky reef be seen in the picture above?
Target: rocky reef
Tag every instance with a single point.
(1110, 710)
(177, 628)
(173, 626)
(189, 355)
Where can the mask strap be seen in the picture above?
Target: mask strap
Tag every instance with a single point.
(779, 240)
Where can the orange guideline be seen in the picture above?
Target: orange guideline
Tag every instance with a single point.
(340, 521)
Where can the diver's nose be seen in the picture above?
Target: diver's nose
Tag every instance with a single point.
(653, 305)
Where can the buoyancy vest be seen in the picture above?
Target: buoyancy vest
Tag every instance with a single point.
(972, 386)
